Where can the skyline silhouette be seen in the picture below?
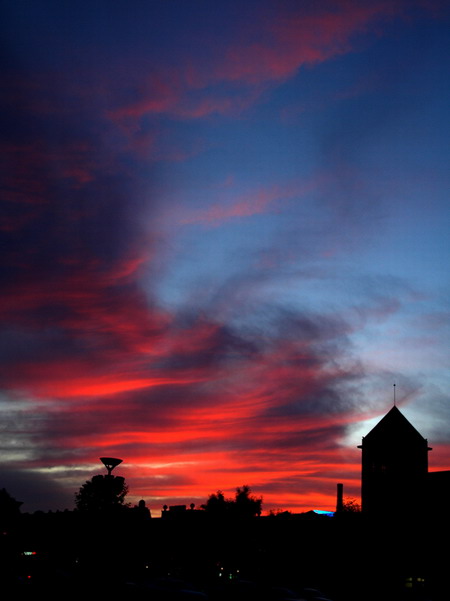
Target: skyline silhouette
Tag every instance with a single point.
(395, 481)
(227, 549)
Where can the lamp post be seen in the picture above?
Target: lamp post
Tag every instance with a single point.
(110, 463)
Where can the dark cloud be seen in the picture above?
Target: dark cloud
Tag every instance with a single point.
(37, 491)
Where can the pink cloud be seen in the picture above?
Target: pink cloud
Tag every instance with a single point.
(260, 54)
(255, 202)
(156, 93)
(229, 79)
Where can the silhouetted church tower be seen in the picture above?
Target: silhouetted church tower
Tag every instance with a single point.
(394, 466)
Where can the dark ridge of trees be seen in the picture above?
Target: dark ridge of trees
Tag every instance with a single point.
(244, 505)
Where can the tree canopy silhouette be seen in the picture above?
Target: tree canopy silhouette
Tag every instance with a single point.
(351, 506)
(101, 494)
(244, 504)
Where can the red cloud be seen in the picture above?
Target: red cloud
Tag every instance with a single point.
(170, 394)
(262, 53)
(156, 94)
(273, 49)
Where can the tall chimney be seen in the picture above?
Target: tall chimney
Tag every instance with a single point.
(340, 498)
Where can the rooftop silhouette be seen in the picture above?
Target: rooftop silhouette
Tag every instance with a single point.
(395, 468)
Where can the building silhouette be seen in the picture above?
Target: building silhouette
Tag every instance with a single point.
(394, 466)
(395, 475)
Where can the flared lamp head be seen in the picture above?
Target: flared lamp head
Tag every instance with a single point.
(110, 463)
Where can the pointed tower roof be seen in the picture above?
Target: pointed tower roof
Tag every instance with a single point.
(393, 426)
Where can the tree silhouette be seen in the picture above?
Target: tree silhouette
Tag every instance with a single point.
(247, 505)
(217, 504)
(243, 506)
(351, 506)
(101, 494)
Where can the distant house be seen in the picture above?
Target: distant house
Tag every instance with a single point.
(395, 475)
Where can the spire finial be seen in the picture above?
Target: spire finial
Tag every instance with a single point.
(394, 395)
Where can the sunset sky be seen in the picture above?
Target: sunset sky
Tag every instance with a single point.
(224, 237)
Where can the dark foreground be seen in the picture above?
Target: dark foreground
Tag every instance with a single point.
(281, 558)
